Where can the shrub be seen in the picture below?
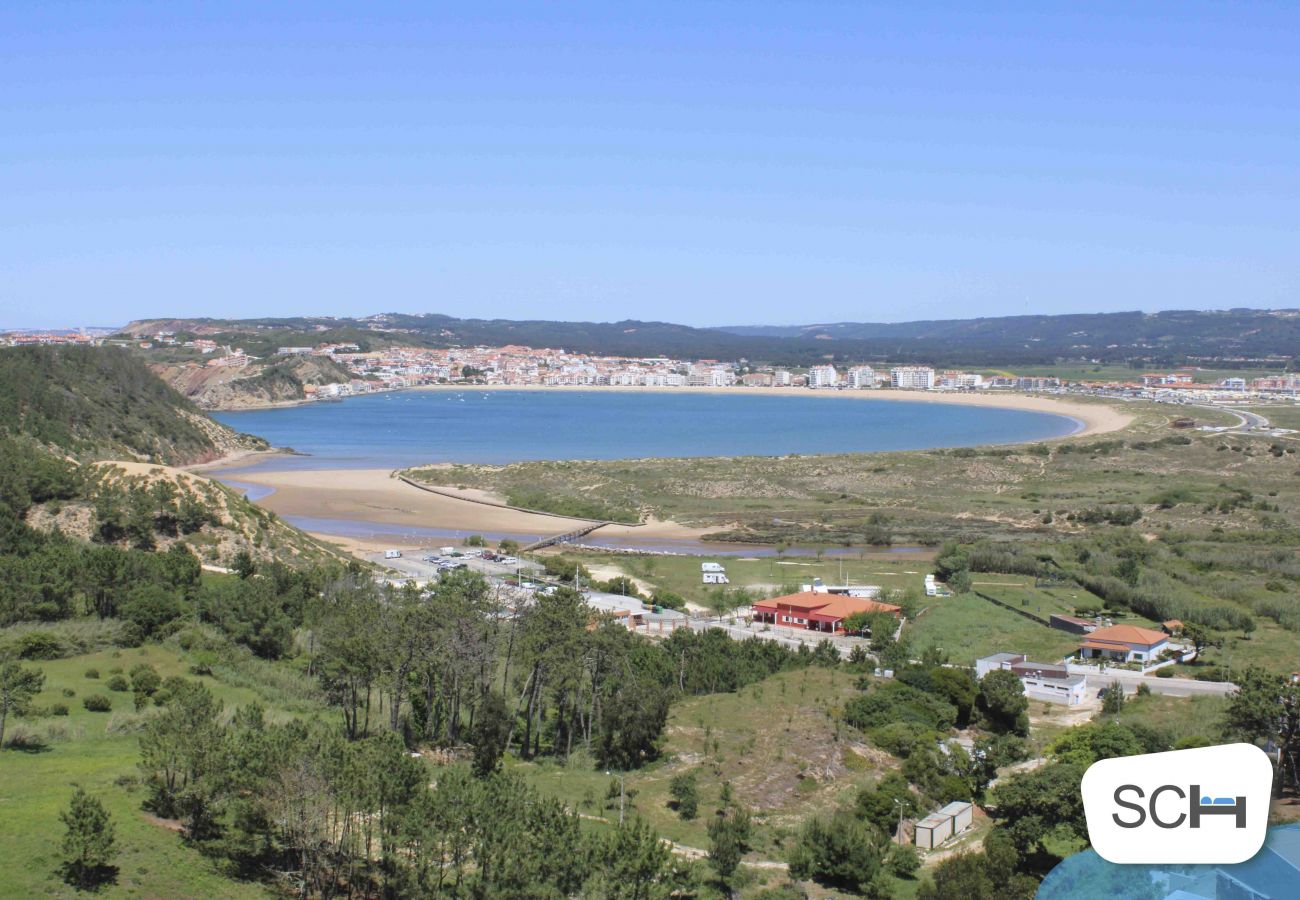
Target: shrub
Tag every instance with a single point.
(97, 703)
(1166, 672)
(92, 673)
(901, 738)
(118, 683)
(145, 680)
(39, 645)
(69, 692)
(59, 709)
(897, 702)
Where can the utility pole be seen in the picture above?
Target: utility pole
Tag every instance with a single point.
(899, 803)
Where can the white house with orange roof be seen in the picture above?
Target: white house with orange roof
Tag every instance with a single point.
(1124, 643)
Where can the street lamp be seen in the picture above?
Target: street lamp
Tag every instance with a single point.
(621, 794)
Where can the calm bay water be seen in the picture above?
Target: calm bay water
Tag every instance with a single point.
(407, 428)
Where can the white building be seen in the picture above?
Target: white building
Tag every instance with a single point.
(781, 378)
(913, 378)
(823, 376)
(862, 378)
(1040, 681)
(961, 381)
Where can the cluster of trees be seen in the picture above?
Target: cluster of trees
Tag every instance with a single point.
(137, 513)
(431, 665)
(911, 716)
(97, 402)
(329, 814)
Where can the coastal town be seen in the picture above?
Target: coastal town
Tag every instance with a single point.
(398, 367)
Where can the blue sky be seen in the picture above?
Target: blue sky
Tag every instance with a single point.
(700, 162)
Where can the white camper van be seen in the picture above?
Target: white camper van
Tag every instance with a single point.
(711, 567)
(715, 578)
(392, 554)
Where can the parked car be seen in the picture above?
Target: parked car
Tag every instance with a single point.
(508, 560)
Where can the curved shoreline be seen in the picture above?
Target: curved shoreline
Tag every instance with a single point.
(1095, 418)
(379, 497)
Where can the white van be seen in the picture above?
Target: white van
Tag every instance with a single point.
(711, 567)
(392, 554)
(715, 578)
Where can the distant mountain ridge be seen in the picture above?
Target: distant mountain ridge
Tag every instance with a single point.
(1163, 338)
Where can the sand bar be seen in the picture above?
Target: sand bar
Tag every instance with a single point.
(375, 496)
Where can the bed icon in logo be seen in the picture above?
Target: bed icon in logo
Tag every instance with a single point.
(1154, 809)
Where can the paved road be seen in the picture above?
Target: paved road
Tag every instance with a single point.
(1247, 420)
(1172, 687)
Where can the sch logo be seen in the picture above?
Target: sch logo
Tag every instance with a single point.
(1155, 809)
(1204, 806)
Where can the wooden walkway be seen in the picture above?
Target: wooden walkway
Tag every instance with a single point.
(562, 538)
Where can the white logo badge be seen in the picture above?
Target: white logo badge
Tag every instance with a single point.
(1208, 805)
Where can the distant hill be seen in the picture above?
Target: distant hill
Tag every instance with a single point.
(104, 403)
(1165, 338)
(1112, 337)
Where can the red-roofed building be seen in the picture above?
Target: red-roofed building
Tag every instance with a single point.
(814, 611)
(1124, 643)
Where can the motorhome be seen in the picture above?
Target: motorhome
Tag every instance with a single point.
(715, 578)
(711, 567)
(392, 554)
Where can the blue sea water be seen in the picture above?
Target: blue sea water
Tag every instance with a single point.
(410, 427)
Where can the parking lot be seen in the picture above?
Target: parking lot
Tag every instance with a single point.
(427, 563)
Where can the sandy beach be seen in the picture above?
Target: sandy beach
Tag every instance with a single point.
(375, 496)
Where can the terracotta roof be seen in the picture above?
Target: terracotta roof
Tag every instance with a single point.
(835, 606)
(1126, 634)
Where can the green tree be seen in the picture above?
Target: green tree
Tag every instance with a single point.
(18, 685)
(686, 794)
(181, 755)
(1265, 707)
(1033, 806)
(843, 852)
(88, 841)
(960, 581)
(151, 606)
(633, 863)
(904, 861)
(1003, 702)
(729, 837)
(1112, 699)
(488, 736)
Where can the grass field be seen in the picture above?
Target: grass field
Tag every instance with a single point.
(767, 576)
(967, 627)
(100, 752)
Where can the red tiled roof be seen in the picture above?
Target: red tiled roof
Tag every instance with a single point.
(1128, 634)
(834, 606)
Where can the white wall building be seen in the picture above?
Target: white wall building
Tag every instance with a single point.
(781, 378)
(961, 381)
(862, 378)
(913, 378)
(823, 377)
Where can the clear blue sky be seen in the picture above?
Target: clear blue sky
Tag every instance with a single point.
(701, 162)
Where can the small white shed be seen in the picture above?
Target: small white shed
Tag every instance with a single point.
(933, 830)
(962, 815)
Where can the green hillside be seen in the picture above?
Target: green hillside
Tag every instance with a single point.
(104, 403)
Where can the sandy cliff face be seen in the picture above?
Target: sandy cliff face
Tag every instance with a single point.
(272, 383)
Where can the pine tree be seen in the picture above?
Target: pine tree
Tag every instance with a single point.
(88, 844)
